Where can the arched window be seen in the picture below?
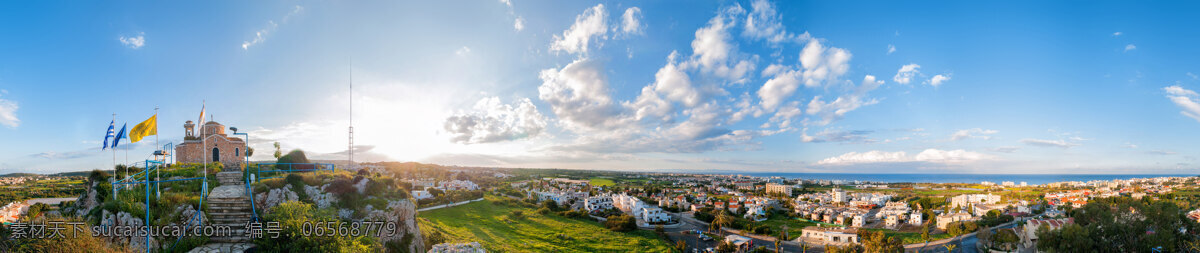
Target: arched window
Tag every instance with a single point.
(216, 155)
(237, 151)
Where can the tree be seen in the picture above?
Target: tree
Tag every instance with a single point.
(879, 242)
(925, 233)
(726, 247)
(985, 236)
(278, 153)
(621, 223)
(950, 247)
(804, 247)
(434, 238)
(681, 245)
(550, 204)
(721, 221)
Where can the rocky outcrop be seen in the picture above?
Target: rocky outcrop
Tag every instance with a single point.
(126, 220)
(404, 214)
(472, 247)
(87, 201)
(266, 200)
(319, 197)
(188, 218)
(361, 186)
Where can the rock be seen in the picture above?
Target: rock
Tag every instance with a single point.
(187, 217)
(361, 185)
(472, 247)
(87, 201)
(274, 197)
(319, 196)
(345, 214)
(404, 214)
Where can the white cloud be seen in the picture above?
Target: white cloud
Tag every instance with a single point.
(823, 64)
(1130, 145)
(834, 135)
(8, 112)
(134, 42)
(938, 80)
(261, 35)
(631, 21)
(873, 156)
(764, 22)
(1005, 149)
(590, 27)
(507, 2)
(713, 52)
(519, 23)
(673, 83)
(492, 121)
(1186, 99)
(1049, 143)
(977, 133)
(578, 95)
(951, 156)
(906, 73)
(1193, 76)
(1117, 34)
(1130, 47)
(891, 49)
(828, 112)
(462, 51)
(928, 155)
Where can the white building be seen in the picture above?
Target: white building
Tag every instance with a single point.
(654, 214)
(782, 189)
(916, 218)
(969, 200)
(459, 185)
(419, 195)
(839, 195)
(831, 235)
(598, 203)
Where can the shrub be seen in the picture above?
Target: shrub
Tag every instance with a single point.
(292, 216)
(621, 223)
(543, 211)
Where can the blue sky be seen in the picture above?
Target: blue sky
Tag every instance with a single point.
(795, 86)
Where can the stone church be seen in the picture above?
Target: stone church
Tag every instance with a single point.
(215, 147)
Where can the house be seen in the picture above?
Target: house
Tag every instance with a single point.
(654, 214)
(858, 221)
(831, 235)
(1029, 233)
(598, 203)
(419, 195)
(916, 218)
(944, 220)
(892, 221)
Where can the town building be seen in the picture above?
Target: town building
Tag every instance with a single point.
(419, 195)
(831, 235)
(781, 189)
(1029, 233)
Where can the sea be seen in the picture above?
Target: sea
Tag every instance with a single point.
(1032, 179)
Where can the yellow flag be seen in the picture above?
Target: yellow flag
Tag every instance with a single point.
(146, 128)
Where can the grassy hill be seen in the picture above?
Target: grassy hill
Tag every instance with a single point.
(490, 225)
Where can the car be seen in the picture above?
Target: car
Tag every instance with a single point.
(706, 238)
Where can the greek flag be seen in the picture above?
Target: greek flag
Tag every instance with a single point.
(111, 126)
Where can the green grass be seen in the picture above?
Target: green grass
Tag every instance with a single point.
(596, 181)
(485, 223)
(776, 222)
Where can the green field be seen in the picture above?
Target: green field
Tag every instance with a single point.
(596, 181)
(486, 223)
(776, 222)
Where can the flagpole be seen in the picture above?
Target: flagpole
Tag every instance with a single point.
(114, 151)
(157, 172)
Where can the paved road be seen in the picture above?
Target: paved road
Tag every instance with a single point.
(694, 242)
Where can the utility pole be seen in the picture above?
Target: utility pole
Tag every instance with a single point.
(350, 147)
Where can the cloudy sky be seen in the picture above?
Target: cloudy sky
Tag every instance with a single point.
(842, 86)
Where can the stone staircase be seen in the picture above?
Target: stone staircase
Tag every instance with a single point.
(229, 206)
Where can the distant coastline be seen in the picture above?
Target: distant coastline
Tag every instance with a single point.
(1032, 179)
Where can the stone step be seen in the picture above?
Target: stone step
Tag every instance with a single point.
(230, 204)
(229, 200)
(215, 212)
(230, 239)
(240, 218)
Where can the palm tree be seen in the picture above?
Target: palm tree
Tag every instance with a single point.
(950, 246)
(804, 247)
(721, 221)
(777, 244)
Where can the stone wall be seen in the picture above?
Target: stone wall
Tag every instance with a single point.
(230, 152)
